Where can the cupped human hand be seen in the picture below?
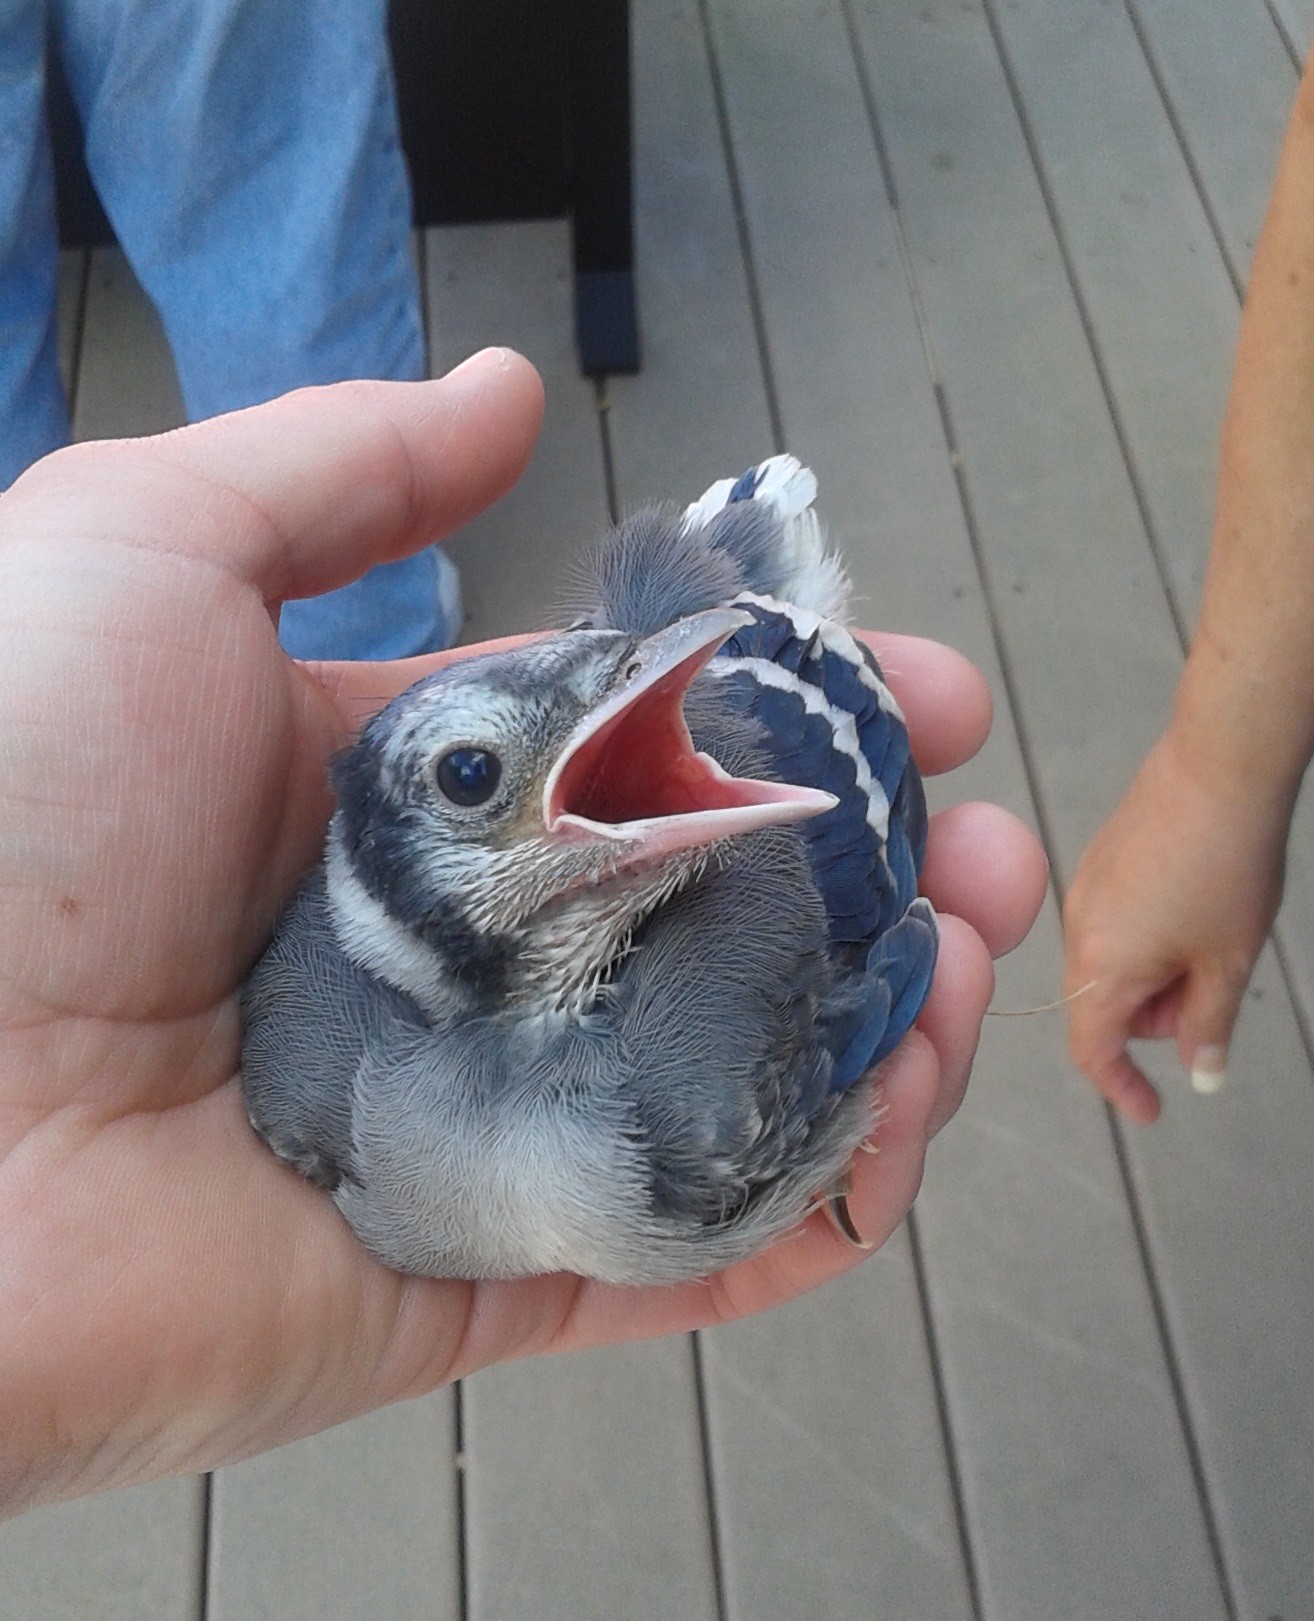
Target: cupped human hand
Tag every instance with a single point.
(171, 1297)
(1167, 913)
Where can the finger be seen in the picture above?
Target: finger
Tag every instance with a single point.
(1098, 1031)
(960, 994)
(1210, 1005)
(360, 689)
(1157, 1019)
(987, 867)
(884, 1184)
(944, 697)
(326, 482)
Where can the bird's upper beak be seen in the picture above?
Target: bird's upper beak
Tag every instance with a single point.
(629, 772)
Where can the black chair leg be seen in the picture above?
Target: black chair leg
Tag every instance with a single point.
(606, 319)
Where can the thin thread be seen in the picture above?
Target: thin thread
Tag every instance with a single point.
(1045, 1007)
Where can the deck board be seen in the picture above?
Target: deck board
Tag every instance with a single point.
(831, 1489)
(699, 406)
(68, 305)
(1161, 297)
(1212, 54)
(357, 1524)
(585, 1489)
(1094, 661)
(127, 383)
(1162, 312)
(500, 284)
(132, 1555)
(1297, 21)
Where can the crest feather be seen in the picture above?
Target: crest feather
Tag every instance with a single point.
(796, 564)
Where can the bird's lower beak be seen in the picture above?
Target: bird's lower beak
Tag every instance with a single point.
(629, 773)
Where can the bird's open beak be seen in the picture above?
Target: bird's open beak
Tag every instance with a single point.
(629, 772)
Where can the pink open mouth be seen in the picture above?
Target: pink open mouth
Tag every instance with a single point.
(630, 774)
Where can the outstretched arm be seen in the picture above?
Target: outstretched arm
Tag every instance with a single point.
(1172, 902)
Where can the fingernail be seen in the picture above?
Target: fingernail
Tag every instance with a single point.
(841, 1219)
(492, 359)
(1209, 1070)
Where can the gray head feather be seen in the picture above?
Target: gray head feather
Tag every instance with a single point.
(652, 572)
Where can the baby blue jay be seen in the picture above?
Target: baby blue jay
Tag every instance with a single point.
(610, 929)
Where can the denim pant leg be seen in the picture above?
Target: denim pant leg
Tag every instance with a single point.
(247, 153)
(33, 414)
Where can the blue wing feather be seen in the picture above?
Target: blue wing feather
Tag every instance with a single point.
(867, 883)
(895, 985)
(745, 486)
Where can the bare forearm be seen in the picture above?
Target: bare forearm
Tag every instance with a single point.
(1245, 708)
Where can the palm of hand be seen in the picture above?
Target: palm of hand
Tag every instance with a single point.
(171, 1297)
(190, 793)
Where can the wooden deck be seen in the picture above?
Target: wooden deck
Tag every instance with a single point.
(981, 266)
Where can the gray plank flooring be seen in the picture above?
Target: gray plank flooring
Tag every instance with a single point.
(586, 1489)
(512, 285)
(1209, 54)
(360, 1524)
(126, 382)
(72, 280)
(980, 264)
(1295, 23)
(133, 1555)
(1191, 1179)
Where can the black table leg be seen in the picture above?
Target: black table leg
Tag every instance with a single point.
(599, 133)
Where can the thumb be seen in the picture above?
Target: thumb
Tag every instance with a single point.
(308, 491)
(343, 477)
(1210, 1005)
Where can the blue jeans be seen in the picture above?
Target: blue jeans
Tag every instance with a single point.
(246, 152)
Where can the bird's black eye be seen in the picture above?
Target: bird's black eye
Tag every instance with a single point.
(468, 776)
